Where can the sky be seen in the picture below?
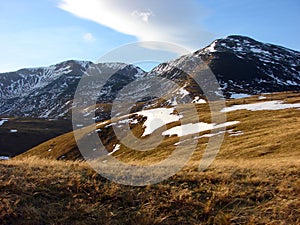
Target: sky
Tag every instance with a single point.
(44, 32)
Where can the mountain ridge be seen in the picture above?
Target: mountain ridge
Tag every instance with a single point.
(242, 66)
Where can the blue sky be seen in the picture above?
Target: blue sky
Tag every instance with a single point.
(44, 32)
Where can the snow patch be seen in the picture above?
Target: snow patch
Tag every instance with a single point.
(183, 92)
(262, 97)
(13, 131)
(4, 158)
(2, 121)
(116, 148)
(289, 82)
(192, 128)
(239, 95)
(271, 105)
(111, 124)
(128, 121)
(209, 135)
(235, 133)
(198, 100)
(157, 118)
(211, 48)
(260, 51)
(173, 102)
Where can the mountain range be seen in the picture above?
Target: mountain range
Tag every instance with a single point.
(241, 65)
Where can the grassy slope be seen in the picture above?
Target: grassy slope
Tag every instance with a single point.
(255, 180)
(40, 191)
(266, 133)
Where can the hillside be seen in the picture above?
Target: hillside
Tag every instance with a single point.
(254, 179)
(258, 133)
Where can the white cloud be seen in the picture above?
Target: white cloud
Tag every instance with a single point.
(174, 21)
(144, 15)
(88, 37)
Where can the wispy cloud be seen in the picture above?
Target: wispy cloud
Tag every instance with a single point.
(172, 21)
(88, 37)
(144, 15)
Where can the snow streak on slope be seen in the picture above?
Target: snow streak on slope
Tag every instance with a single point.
(2, 121)
(271, 105)
(193, 128)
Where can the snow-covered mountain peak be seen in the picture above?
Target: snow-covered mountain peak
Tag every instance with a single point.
(242, 45)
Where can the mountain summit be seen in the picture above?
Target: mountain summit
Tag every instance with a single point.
(242, 66)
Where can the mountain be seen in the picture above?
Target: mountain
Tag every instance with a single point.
(241, 65)
(48, 92)
(36, 92)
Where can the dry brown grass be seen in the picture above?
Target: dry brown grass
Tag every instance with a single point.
(266, 134)
(44, 191)
(254, 180)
